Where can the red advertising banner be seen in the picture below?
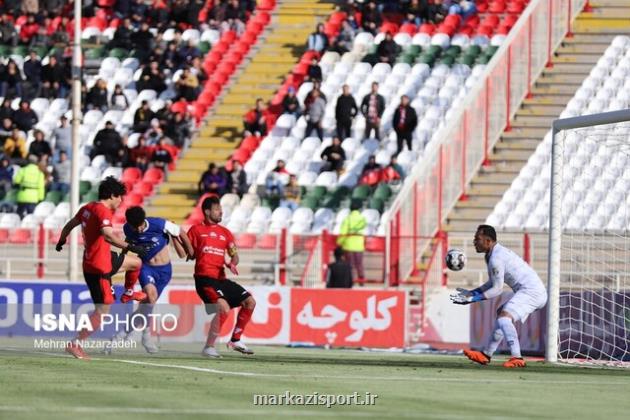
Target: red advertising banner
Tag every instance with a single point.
(356, 318)
(283, 315)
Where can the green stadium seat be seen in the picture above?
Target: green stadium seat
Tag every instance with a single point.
(361, 192)
(414, 50)
(453, 51)
(204, 47)
(84, 187)
(383, 192)
(473, 50)
(435, 50)
(447, 59)
(376, 204)
(119, 53)
(310, 202)
(11, 196)
(53, 197)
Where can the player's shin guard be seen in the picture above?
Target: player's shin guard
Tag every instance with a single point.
(494, 341)
(215, 328)
(243, 318)
(509, 331)
(95, 320)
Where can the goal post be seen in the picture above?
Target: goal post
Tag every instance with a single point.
(588, 310)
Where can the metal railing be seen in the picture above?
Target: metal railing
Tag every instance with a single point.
(462, 145)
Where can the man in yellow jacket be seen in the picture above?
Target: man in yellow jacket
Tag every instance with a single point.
(31, 183)
(352, 239)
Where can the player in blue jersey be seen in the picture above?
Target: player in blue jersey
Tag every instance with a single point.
(153, 234)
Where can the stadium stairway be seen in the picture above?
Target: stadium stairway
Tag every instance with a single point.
(259, 75)
(572, 62)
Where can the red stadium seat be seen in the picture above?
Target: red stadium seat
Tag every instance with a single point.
(20, 236)
(134, 199)
(409, 28)
(375, 244)
(143, 188)
(246, 240)
(153, 175)
(496, 6)
(131, 174)
(4, 236)
(389, 27)
(268, 242)
(266, 4)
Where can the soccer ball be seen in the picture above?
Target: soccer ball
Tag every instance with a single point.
(455, 259)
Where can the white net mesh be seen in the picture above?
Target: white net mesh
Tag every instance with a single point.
(594, 318)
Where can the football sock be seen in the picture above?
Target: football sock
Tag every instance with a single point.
(509, 331)
(243, 318)
(215, 328)
(494, 341)
(95, 320)
(131, 278)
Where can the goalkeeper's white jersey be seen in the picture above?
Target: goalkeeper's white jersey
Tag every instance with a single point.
(505, 266)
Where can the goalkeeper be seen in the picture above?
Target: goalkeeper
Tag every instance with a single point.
(504, 266)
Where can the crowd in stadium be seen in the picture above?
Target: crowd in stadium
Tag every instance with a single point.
(35, 39)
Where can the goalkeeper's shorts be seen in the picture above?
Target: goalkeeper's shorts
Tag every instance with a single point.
(524, 302)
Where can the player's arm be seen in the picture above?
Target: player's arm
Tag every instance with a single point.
(112, 239)
(72, 223)
(180, 239)
(233, 253)
(492, 288)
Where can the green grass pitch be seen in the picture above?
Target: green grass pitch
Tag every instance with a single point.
(178, 383)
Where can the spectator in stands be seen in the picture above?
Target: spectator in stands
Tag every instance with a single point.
(15, 146)
(139, 155)
(188, 52)
(154, 133)
(213, 181)
(6, 130)
(32, 186)
(371, 173)
(333, 156)
(339, 273)
(171, 58)
(39, 146)
(142, 118)
(393, 171)
(25, 118)
(437, 11)
(318, 41)
(30, 6)
(118, 101)
(61, 174)
(291, 193)
(281, 167)
(33, 71)
(53, 79)
(153, 78)
(161, 157)
(234, 17)
(142, 40)
(417, 12)
(309, 96)
(62, 136)
(177, 129)
(352, 238)
(6, 175)
(122, 36)
(335, 46)
(60, 36)
(388, 49)
(5, 110)
(345, 111)
(108, 143)
(346, 36)
(315, 116)
(28, 29)
(371, 18)
(97, 96)
(238, 179)
(372, 108)
(255, 121)
(405, 121)
(8, 34)
(314, 71)
(187, 85)
(290, 103)
(11, 82)
(41, 39)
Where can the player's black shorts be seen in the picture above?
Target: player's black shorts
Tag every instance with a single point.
(100, 285)
(211, 290)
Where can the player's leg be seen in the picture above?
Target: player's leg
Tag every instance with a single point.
(130, 265)
(222, 309)
(153, 285)
(103, 296)
(244, 315)
(518, 308)
(506, 323)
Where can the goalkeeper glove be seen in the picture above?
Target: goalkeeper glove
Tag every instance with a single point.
(465, 297)
(140, 251)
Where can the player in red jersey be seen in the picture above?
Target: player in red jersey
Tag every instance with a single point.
(99, 262)
(210, 242)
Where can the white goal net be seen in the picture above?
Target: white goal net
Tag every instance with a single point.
(589, 258)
